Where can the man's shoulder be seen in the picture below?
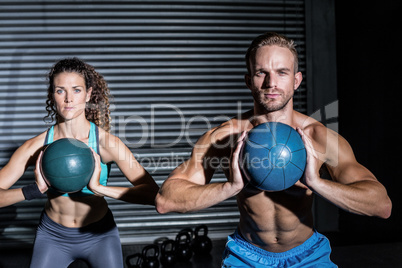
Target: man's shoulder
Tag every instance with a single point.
(309, 125)
(233, 126)
(225, 134)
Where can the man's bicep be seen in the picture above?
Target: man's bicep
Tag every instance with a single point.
(196, 170)
(344, 167)
(203, 162)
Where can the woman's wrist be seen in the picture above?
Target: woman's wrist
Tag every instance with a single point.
(31, 191)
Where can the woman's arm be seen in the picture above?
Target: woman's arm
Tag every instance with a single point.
(24, 156)
(112, 149)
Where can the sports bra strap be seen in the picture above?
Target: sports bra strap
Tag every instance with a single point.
(97, 139)
(47, 137)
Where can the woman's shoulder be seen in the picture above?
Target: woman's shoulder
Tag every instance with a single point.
(30, 148)
(111, 147)
(107, 139)
(36, 142)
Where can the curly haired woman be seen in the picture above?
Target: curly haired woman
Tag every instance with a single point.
(77, 225)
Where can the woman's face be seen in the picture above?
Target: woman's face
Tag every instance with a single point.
(70, 95)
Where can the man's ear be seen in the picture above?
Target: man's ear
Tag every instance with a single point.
(298, 80)
(247, 79)
(89, 94)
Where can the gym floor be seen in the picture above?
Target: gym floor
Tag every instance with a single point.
(377, 255)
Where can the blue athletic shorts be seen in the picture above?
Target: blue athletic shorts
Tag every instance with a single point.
(58, 246)
(314, 252)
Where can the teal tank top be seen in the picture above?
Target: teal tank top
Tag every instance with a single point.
(93, 142)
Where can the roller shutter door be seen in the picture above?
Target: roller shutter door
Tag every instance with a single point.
(175, 69)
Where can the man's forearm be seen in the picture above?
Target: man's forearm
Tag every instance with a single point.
(183, 196)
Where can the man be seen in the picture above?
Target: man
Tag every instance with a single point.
(275, 228)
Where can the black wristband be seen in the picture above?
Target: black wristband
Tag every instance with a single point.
(31, 191)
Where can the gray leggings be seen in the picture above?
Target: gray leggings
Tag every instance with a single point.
(58, 246)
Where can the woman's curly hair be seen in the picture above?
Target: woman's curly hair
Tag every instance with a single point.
(97, 109)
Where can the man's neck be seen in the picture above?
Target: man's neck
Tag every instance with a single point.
(284, 115)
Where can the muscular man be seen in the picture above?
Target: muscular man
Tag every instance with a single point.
(275, 228)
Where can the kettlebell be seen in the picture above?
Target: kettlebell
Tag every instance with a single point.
(150, 260)
(183, 246)
(134, 260)
(159, 241)
(202, 244)
(168, 254)
(190, 232)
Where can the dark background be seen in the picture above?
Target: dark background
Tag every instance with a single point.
(368, 74)
(369, 78)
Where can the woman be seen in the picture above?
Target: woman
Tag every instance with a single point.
(78, 225)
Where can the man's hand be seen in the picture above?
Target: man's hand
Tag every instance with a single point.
(311, 174)
(236, 179)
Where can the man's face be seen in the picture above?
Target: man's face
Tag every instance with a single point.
(272, 80)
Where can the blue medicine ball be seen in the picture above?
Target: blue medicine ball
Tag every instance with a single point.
(273, 157)
(67, 165)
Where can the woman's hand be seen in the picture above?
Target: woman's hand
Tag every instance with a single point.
(94, 182)
(39, 179)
